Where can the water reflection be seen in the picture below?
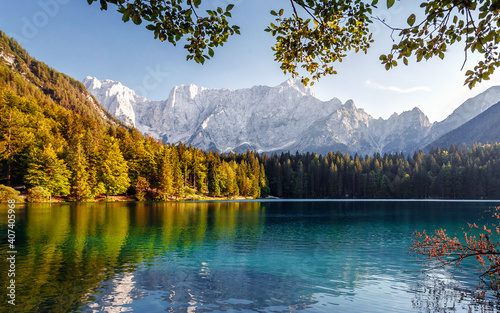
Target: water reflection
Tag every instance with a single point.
(440, 292)
(209, 257)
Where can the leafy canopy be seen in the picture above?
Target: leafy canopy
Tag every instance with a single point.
(319, 33)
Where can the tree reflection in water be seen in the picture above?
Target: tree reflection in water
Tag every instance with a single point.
(439, 292)
(172, 290)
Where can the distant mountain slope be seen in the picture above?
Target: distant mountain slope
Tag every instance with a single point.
(464, 113)
(484, 128)
(283, 118)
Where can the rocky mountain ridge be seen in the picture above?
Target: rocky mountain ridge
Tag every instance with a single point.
(287, 117)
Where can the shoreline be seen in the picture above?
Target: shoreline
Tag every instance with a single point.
(126, 198)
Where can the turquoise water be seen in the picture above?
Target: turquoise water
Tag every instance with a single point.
(277, 256)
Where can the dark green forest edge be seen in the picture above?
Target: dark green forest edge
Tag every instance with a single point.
(58, 141)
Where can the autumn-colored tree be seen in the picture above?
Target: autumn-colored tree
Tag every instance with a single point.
(38, 194)
(45, 169)
(141, 187)
(78, 164)
(480, 244)
(7, 193)
(55, 135)
(113, 168)
(15, 134)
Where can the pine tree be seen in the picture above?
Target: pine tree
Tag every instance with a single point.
(177, 172)
(199, 171)
(230, 179)
(299, 181)
(166, 177)
(215, 183)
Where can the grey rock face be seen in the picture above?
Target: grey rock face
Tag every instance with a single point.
(287, 117)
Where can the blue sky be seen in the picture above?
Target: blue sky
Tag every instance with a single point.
(80, 40)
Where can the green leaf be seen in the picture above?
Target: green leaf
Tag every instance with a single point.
(136, 18)
(390, 3)
(126, 16)
(104, 5)
(229, 7)
(411, 20)
(211, 52)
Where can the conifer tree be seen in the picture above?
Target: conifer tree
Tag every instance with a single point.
(176, 171)
(199, 171)
(230, 178)
(215, 182)
(165, 173)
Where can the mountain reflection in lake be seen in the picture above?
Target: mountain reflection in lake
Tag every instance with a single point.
(278, 256)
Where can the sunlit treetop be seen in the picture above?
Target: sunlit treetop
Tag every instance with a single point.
(319, 33)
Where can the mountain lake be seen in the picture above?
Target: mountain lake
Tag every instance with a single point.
(250, 256)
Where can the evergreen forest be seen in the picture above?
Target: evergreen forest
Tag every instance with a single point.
(57, 140)
(453, 173)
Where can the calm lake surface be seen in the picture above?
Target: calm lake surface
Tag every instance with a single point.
(276, 256)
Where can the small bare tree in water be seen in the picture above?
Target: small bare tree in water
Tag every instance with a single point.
(480, 243)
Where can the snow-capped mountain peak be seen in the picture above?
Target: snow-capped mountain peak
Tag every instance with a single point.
(297, 84)
(261, 118)
(119, 100)
(283, 118)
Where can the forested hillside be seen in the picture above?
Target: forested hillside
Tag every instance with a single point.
(456, 173)
(54, 135)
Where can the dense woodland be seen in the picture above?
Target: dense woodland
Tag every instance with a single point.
(54, 135)
(454, 173)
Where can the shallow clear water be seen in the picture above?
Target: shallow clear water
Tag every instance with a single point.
(277, 256)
